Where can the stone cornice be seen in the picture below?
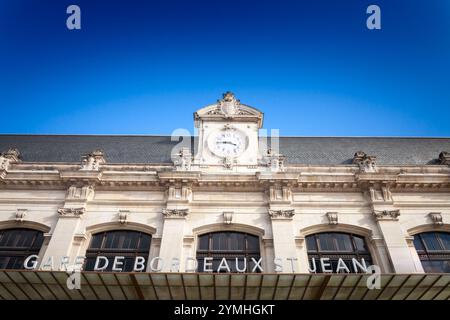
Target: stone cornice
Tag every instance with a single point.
(334, 179)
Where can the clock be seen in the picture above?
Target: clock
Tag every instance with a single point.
(228, 143)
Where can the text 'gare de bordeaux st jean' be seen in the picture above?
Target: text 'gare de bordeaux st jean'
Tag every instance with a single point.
(227, 200)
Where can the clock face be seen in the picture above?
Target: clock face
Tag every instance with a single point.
(228, 143)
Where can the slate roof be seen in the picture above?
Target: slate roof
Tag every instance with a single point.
(156, 149)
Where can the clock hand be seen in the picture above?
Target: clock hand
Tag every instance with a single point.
(228, 142)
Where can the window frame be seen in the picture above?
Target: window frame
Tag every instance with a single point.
(93, 253)
(22, 252)
(427, 255)
(228, 253)
(334, 255)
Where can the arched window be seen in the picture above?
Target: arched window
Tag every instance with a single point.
(237, 248)
(433, 249)
(337, 252)
(17, 244)
(112, 244)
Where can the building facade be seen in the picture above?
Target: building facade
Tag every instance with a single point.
(263, 204)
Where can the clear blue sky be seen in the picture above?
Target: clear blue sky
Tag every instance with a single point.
(143, 67)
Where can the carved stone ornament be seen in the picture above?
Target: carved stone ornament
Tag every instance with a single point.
(281, 214)
(444, 158)
(280, 194)
(386, 214)
(332, 217)
(227, 217)
(228, 162)
(183, 160)
(365, 162)
(92, 161)
(12, 155)
(179, 193)
(83, 193)
(71, 212)
(382, 194)
(274, 161)
(123, 216)
(436, 218)
(20, 215)
(228, 106)
(175, 213)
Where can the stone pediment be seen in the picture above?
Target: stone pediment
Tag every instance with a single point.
(229, 108)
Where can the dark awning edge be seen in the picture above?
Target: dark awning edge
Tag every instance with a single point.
(51, 285)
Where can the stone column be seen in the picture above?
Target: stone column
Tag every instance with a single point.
(284, 240)
(62, 237)
(399, 252)
(172, 240)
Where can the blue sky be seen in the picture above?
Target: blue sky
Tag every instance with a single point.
(143, 67)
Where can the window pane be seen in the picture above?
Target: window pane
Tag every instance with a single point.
(343, 242)
(418, 243)
(360, 244)
(219, 241)
(431, 241)
(253, 243)
(311, 243)
(96, 241)
(445, 238)
(144, 244)
(203, 243)
(326, 242)
(436, 266)
(237, 241)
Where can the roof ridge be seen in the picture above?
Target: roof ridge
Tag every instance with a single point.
(168, 136)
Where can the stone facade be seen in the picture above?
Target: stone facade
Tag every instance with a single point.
(278, 201)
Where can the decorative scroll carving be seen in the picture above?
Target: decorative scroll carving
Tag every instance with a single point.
(444, 158)
(281, 214)
(386, 214)
(71, 212)
(183, 160)
(175, 213)
(123, 216)
(92, 161)
(20, 215)
(12, 155)
(227, 217)
(332, 217)
(365, 162)
(436, 217)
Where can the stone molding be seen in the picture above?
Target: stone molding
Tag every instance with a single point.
(283, 214)
(71, 212)
(175, 213)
